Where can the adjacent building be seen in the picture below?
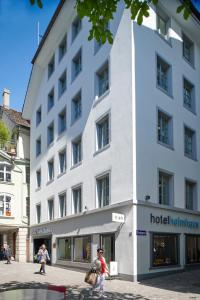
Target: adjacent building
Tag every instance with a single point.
(115, 141)
(14, 182)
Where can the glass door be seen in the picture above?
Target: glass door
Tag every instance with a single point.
(108, 244)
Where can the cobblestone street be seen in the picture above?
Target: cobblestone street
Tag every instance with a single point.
(183, 286)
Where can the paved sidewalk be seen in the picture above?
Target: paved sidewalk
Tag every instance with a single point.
(181, 286)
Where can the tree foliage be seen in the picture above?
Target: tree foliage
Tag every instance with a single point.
(4, 133)
(100, 12)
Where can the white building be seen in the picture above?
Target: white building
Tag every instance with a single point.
(14, 182)
(115, 130)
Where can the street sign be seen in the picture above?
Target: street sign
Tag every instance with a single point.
(141, 232)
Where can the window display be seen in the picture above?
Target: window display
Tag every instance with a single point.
(82, 249)
(64, 248)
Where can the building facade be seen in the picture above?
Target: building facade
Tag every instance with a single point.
(14, 182)
(114, 161)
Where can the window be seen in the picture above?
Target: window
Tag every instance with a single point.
(5, 172)
(190, 195)
(102, 76)
(28, 209)
(76, 107)
(76, 28)
(50, 209)
(50, 133)
(103, 190)
(62, 84)
(50, 101)
(165, 188)
(62, 161)
(108, 244)
(28, 174)
(38, 116)
(188, 49)
(165, 249)
(50, 170)
(77, 200)
(64, 248)
(63, 47)
(38, 146)
(164, 75)
(103, 136)
(76, 64)
(5, 205)
(164, 129)
(38, 213)
(38, 178)
(76, 151)
(62, 121)
(192, 249)
(190, 142)
(62, 205)
(188, 95)
(162, 23)
(82, 249)
(51, 66)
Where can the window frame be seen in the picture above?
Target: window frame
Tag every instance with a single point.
(51, 66)
(53, 210)
(50, 161)
(63, 111)
(5, 172)
(38, 220)
(98, 122)
(62, 81)
(65, 204)
(5, 213)
(99, 71)
(62, 45)
(191, 61)
(170, 175)
(64, 150)
(161, 14)
(76, 141)
(75, 99)
(169, 84)
(77, 60)
(38, 171)
(169, 145)
(193, 102)
(97, 179)
(194, 194)
(50, 94)
(50, 127)
(193, 156)
(80, 202)
(74, 31)
(40, 144)
(38, 115)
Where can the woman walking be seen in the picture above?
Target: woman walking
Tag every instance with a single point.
(43, 256)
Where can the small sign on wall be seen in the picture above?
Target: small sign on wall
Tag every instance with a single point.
(118, 218)
(141, 232)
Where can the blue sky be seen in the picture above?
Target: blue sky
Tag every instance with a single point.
(18, 43)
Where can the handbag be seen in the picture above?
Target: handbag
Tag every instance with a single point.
(91, 278)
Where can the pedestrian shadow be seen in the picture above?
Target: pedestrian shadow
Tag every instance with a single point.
(73, 292)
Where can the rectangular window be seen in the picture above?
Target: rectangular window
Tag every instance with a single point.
(5, 172)
(50, 133)
(51, 66)
(62, 205)
(188, 50)
(190, 195)
(76, 64)
(164, 75)
(188, 95)
(38, 178)
(77, 200)
(102, 76)
(103, 190)
(51, 209)
(76, 107)
(165, 188)
(38, 116)
(64, 248)
(165, 249)
(5, 205)
(82, 249)
(28, 209)
(38, 213)
(62, 161)
(62, 84)
(50, 170)
(162, 23)
(76, 27)
(28, 174)
(192, 249)
(38, 146)
(62, 121)
(76, 151)
(103, 136)
(164, 129)
(63, 47)
(50, 101)
(190, 143)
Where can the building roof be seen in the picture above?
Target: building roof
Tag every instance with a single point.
(15, 116)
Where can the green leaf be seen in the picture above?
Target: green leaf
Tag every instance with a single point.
(179, 9)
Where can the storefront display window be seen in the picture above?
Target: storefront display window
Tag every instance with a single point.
(164, 250)
(64, 248)
(192, 249)
(82, 249)
(108, 244)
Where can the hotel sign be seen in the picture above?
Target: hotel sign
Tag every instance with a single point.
(168, 220)
(41, 230)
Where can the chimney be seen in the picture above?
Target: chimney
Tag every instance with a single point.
(6, 98)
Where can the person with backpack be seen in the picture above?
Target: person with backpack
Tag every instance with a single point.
(43, 256)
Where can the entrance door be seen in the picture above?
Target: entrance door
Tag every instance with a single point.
(38, 242)
(108, 244)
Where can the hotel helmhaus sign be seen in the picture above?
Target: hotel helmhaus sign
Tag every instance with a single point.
(168, 220)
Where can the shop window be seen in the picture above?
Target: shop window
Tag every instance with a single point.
(108, 245)
(5, 205)
(64, 248)
(82, 249)
(192, 249)
(165, 250)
